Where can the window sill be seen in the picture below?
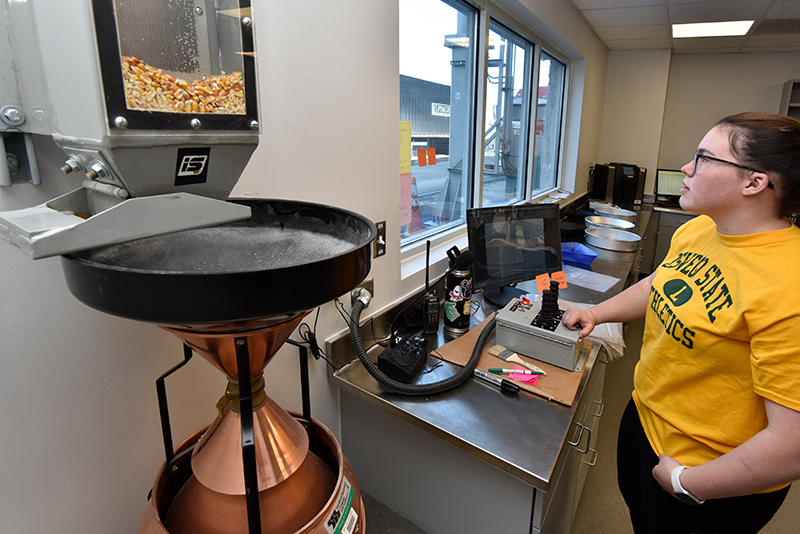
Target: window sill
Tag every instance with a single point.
(413, 261)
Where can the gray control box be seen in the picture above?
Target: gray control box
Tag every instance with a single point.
(516, 331)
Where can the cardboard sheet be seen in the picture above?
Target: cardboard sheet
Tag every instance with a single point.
(558, 385)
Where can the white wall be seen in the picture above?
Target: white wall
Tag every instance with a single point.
(80, 443)
(659, 106)
(704, 88)
(636, 88)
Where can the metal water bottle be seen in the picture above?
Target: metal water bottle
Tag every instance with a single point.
(458, 296)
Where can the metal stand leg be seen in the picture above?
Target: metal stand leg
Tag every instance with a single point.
(304, 382)
(248, 436)
(161, 391)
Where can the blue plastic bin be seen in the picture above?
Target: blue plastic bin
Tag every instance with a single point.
(577, 253)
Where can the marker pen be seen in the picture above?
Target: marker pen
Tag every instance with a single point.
(505, 385)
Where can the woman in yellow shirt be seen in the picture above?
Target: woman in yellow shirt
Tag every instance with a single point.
(711, 439)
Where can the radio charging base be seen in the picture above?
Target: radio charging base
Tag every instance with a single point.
(404, 361)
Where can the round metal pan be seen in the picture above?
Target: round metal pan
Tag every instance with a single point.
(612, 239)
(288, 258)
(616, 213)
(608, 222)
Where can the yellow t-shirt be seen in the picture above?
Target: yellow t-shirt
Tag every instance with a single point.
(720, 336)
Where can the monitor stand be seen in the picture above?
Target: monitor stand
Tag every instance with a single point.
(501, 296)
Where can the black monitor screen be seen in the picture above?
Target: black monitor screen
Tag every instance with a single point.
(513, 243)
(668, 186)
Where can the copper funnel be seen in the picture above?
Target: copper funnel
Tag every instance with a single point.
(281, 442)
(217, 343)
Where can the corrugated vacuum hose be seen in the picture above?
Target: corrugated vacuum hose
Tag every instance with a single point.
(412, 389)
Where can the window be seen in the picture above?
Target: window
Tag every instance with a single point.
(507, 117)
(549, 114)
(440, 139)
(437, 98)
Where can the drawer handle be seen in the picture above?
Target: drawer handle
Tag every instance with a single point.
(599, 413)
(588, 441)
(594, 460)
(580, 435)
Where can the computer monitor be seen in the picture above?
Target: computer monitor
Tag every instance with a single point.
(668, 187)
(512, 244)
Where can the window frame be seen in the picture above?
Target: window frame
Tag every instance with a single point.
(531, 195)
(530, 73)
(487, 11)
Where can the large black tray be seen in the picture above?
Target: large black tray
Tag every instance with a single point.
(288, 258)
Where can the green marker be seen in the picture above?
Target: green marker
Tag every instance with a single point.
(499, 371)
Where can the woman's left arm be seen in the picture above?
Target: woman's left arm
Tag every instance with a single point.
(769, 459)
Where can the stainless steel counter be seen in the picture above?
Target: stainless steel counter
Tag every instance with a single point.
(522, 434)
(525, 436)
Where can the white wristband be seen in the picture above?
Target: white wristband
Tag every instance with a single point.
(679, 490)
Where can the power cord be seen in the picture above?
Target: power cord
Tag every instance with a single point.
(309, 337)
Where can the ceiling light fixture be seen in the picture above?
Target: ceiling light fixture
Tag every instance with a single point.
(711, 29)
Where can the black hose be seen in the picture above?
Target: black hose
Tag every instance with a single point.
(416, 389)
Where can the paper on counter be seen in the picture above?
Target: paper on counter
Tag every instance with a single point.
(589, 279)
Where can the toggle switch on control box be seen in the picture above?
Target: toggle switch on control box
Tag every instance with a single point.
(554, 343)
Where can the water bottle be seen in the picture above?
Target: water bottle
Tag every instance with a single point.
(458, 296)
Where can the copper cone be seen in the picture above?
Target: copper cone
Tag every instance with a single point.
(217, 343)
(281, 447)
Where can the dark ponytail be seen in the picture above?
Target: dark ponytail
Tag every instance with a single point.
(770, 143)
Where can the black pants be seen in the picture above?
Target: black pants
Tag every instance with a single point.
(654, 511)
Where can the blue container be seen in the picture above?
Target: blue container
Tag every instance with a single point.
(577, 253)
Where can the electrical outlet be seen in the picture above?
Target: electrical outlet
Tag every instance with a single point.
(369, 285)
(379, 244)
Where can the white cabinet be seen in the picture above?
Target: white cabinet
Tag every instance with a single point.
(668, 222)
(554, 511)
(790, 99)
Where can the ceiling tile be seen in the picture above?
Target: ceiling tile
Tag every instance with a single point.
(607, 4)
(703, 50)
(717, 11)
(773, 40)
(626, 17)
(777, 27)
(710, 43)
(656, 31)
(771, 49)
(695, 1)
(785, 9)
(639, 44)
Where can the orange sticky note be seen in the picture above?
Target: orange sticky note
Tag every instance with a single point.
(432, 156)
(561, 278)
(542, 282)
(422, 157)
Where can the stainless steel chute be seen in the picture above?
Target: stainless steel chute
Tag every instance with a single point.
(155, 105)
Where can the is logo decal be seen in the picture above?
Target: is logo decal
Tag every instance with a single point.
(192, 165)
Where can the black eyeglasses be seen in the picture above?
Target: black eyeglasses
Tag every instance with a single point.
(706, 157)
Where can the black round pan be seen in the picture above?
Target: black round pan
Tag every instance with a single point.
(288, 258)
